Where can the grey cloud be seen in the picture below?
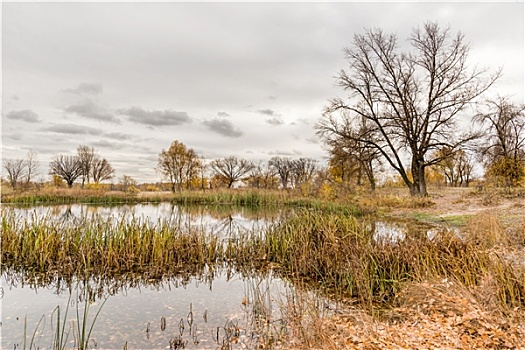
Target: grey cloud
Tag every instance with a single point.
(267, 112)
(89, 109)
(108, 144)
(15, 136)
(223, 127)
(285, 153)
(86, 89)
(119, 136)
(312, 140)
(275, 121)
(223, 114)
(73, 129)
(26, 115)
(155, 118)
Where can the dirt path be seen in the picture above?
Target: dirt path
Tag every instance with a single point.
(459, 204)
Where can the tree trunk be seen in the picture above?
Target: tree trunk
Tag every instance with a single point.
(422, 182)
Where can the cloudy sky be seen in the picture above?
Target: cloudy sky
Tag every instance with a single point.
(243, 79)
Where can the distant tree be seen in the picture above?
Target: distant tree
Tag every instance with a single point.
(410, 100)
(67, 167)
(57, 181)
(179, 165)
(85, 155)
(456, 166)
(303, 170)
(15, 169)
(31, 164)
(503, 149)
(261, 177)
(231, 169)
(128, 184)
(101, 170)
(353, 157)
(283, 168)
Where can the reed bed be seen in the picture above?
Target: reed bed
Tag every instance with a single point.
(104, 247)
(341, 256)
(331, 251)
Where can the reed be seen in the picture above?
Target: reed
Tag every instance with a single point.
(341, 256)
(329, 250)
(100, 247)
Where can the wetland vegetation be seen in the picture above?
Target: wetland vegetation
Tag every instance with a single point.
(323, 252)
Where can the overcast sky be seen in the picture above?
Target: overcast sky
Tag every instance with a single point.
(243, 79)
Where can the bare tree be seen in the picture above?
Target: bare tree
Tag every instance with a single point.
(231, 169)
(303, 170)
(127, 184)
(262, 177)
(179, 165)
(67, 167)
(283, 168)
(85, 155)
(353, 156)
(411, 101)
(505, 129)
(101, 170)
(31, 164)
(15, 169)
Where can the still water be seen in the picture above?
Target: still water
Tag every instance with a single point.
(217, 310)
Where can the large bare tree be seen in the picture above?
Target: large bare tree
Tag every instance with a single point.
(179, 164)
(410, 100)
(67, 167)
(231, 169)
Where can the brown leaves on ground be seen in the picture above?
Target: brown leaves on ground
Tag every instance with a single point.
(438, 315)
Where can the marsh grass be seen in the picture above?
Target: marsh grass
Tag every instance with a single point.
(340, 255)
(100, 247)
(330, 250)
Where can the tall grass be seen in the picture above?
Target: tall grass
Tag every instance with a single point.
(104, 247)
(332, 251)
(340, 255)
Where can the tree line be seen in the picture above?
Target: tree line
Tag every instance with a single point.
(183, 168)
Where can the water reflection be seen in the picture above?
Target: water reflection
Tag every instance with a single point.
(225, 220)
(200, 309)
(230, 311)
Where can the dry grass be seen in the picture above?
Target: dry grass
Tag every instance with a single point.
(486, 231)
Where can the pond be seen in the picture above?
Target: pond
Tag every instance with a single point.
(219, 309)
(225, 312)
